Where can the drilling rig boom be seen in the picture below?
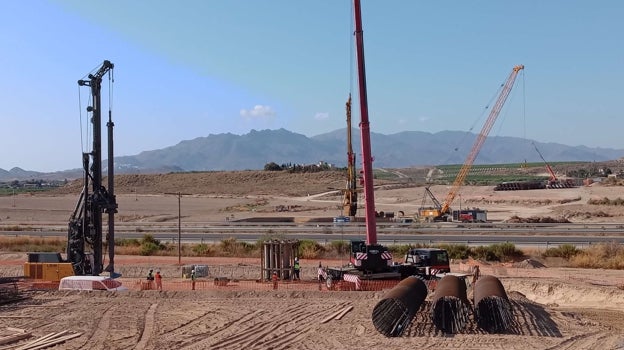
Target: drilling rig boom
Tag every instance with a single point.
(85, 224)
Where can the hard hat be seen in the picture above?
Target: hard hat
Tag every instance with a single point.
(296, 259)
(193, 270)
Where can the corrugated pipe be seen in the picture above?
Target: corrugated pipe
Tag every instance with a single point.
(450, 306)
(493, 312)
(393, 314)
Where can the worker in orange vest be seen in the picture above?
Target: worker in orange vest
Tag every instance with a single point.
(193, 279)
(158, 279)
(274, 278)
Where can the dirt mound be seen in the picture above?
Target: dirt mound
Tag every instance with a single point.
(236, 183)
(528, 264)
(537, 220)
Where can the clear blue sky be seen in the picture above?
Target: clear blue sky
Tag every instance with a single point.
(188, 69)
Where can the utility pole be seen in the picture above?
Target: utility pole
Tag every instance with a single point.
(179, 194)
(179, 228)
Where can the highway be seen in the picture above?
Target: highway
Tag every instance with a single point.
(522, 235)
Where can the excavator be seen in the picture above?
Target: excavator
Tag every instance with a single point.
(368, 259)
(442, 212)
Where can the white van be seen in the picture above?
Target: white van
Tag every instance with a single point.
(90, 283)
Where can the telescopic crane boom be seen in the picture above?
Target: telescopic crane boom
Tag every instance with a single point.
(553, 177)
(367, 160)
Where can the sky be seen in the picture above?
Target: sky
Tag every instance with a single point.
(192, 68)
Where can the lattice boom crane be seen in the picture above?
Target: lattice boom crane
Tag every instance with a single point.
(476, 147)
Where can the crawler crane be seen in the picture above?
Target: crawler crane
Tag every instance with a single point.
(444, 211)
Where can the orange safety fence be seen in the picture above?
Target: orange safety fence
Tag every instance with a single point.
(240, 285)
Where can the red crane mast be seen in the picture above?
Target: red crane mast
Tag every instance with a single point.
(367, 160)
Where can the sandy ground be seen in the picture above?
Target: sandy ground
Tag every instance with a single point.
(554, 308)
(42, 210)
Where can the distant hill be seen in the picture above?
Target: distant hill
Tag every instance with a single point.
(400, 150)
(405, 149)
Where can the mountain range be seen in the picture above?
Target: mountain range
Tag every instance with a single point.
(401, 150)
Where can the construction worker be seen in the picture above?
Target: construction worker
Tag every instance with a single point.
(150, 279)
(274, 278)
(297, 268)
(193, 279)
(158, 279)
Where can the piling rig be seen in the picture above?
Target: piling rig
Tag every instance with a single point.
(84, 237)
(349, 202)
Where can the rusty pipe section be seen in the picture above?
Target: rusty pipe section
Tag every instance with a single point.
(393, 314)
(493, 311)
(450, 306)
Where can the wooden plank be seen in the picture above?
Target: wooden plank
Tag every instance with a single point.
(55, 341)
(332, 316)
(37, 341)
(14, 338)
(344, 312)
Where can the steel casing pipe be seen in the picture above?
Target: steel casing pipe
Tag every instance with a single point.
(393, 314)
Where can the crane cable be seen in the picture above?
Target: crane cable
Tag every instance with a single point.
(351, 51)
(80, 119)
(462, 141)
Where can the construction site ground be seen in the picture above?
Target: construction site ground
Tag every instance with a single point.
(554, 307)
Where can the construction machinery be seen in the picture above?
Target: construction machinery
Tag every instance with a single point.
(553, 181)
(369, 260)
(47, 266)
(349, 202)
(443, 212)
(85, 224)
(85, 248)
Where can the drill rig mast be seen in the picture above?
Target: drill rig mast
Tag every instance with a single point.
(349, 202)
(85, 224)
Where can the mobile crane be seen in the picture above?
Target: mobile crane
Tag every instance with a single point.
(369, 259)
(85, 224)
(444, 211)
(553, 181)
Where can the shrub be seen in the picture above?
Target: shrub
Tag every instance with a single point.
(483, 253)
(565, 251)
(399, 251)
(340, 247)
(127, 242)
(150, 245)
(456, 251)
(309, 249)
(506, 251)
(202, 249)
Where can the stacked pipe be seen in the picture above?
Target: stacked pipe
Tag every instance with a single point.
(450, 306)
(493, 311)
(393, 314)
